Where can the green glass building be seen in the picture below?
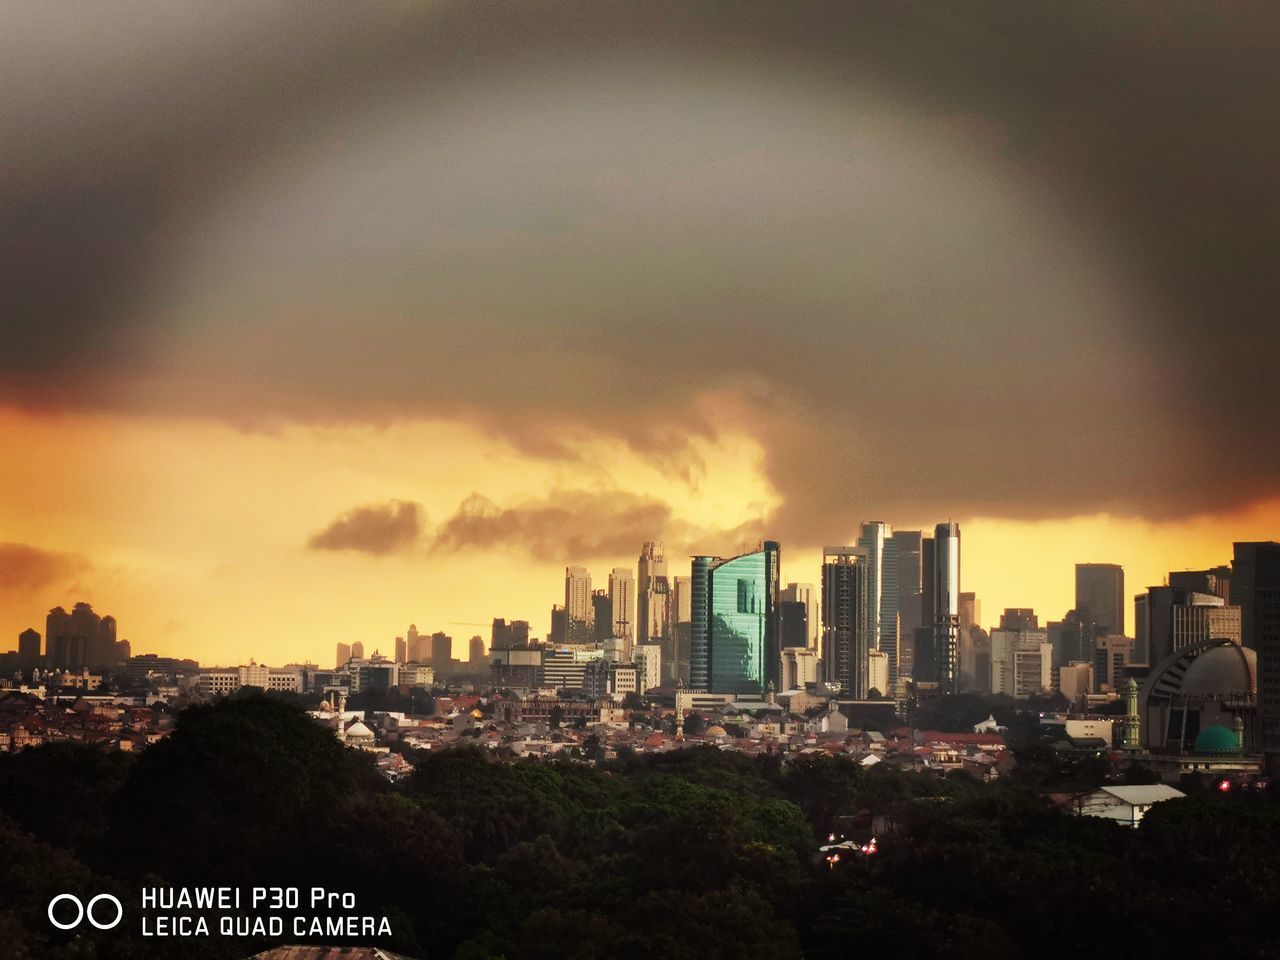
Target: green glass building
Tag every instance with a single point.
(735, 630)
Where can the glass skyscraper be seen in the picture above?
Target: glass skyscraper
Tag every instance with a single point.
(735, 629)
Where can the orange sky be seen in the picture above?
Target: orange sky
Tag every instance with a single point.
(194, 534)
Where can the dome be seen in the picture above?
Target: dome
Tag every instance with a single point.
(358, 731)
(1217, 739)
(716, 731)
(1222, 671)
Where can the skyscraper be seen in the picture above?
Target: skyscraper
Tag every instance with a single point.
(735, 643)
(441, 650)
(402, 655)
(1255, 585)
(28, 648)
(357, 650)
(881, 600)
(807, 594)
(622, 597)
(793, 616)
(676, 659)
(946, 603)
(602, 615)
(475, 655)
(344, 654)
(845, 645)
(653, 595)
(413, 645)
(1100, 595)
(907, 545)
(1167, 619)
(577, 594)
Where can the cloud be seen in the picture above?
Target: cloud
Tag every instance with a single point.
(377, 529)
(1006, 259)
(26, 570)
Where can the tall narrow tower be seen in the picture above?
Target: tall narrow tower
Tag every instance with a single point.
(653, 596)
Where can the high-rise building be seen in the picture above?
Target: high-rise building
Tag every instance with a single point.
(1215, 580)
(602, 615)
(845, 644)
(809, 595)
(1112, 655)
(1019, 618)
(653, 595)
(880, 603)
(1168, 619)
(1021, 662)
(924, 656)
(793, 619)
(80, 638)
(676, 656)
(735, 643)
(1255, 585)
(907, 547)
(946, 604)
(475, 655)
(622, 597)
(441, 650)
(577, 597)
(509, 636)
(559, 625)
(1100, 595)
(413, 645)
(344, 654)
(28, 648)
(402, 650)
(357, 650)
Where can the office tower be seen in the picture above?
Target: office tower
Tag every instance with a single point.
(881, 601)
(344, 654)
(845, 645)
(970, 611)
(924, 663)
(577, 593)
(734, 635)
(602, 615)
(676, 658)
(509, 636)
(946, 603)
(1167, 619)
(877, 674)
(402, 650)
(124, 650)
(809, 595)
(1255, 586)
(653, 595)
(559, 625)
(793, 618)
(475, 655)
(413, 645)
(966, 655)
(1075, 680)
(80, 638)
(622, 597)
(800, 667)
(1215, 580)
(907, 547)
(1019, 618)
(357, 650)
(441, 650)
(648, 660)
(1112, 656)
(1072, 639)
(1021, 661)
(28, 648)
(1100, 595)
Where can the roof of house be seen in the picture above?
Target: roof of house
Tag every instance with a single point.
(1143, 794)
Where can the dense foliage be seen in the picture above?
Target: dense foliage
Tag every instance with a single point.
(690, 854)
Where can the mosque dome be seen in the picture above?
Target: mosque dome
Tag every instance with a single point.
(716, 731)
(1217, 740)
(1222, 671)
(358, 731)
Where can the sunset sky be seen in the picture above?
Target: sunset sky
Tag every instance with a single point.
(316, 320)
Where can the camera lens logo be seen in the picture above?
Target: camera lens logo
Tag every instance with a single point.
(88, 911)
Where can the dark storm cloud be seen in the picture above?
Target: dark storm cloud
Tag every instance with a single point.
(376, 529)
(1001, 258)
(25, 569)
(565, 524)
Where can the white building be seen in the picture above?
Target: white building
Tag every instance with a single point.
(878, 672)
(622, 599)
(799, 667)
(1021, 662)
(1125, 804)
(222, 682)
(648, 660)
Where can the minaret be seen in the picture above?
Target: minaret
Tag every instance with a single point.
(1238, 726)
(679, 709)
(1132, 723)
